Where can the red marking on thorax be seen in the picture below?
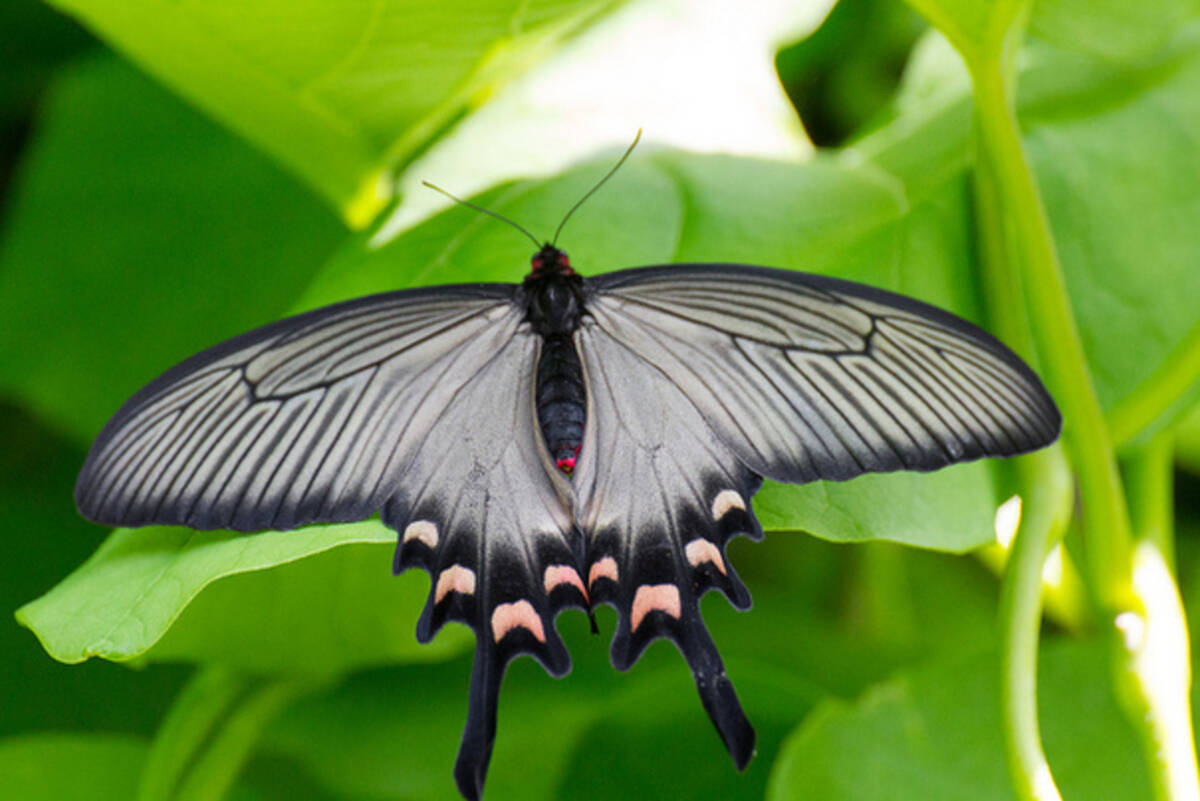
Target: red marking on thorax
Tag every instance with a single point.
(562, 264)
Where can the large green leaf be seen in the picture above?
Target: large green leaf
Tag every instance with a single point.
(320, 615)
(343, 94)
(1112, 29)
(138, 233)
(935, 734)
(330, 88)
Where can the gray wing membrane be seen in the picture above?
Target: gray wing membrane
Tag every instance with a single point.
(307, 419)
(807, 377)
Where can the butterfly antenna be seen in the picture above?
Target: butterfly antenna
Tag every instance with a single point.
(489, 212)
(599, 184)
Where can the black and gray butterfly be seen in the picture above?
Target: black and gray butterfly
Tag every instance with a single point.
(564, 442)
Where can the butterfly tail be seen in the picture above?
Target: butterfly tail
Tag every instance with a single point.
(475, 751)
(717, 694)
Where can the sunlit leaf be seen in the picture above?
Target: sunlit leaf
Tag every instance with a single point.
(326, 614)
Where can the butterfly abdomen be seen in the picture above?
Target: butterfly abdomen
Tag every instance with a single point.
(561, 400)
(553, 297)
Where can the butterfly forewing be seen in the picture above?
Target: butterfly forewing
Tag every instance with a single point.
(269, 429)
(806, 377)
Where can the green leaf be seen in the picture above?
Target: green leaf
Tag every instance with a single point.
(1113, 150)
(329, 88)
(936, 735)
(1122, 218)
(1111, 29)
(345, 96)
(138, 234)
(322, 615)
(904, 227)
(61, 767)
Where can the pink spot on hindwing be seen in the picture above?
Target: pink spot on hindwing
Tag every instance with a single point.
(557, 575)
(422, 530)
(455, 578)
(654, 597)
(726, 500)
(603, 568)
(701, 550)
(518, 614)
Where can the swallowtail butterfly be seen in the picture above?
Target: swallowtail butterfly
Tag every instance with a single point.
(565, 441)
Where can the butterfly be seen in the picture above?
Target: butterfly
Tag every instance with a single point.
(567, 441)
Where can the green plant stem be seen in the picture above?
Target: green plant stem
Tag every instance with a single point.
(1150, 665)
(1160, 674)
(1162, 396)
(1046, 495)
(210, 730)
(1085, 435)
(1150, 477)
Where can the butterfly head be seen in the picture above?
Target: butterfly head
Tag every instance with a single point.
(549, 260)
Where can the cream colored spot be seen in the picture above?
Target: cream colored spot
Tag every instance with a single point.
(701, 550)
(518, 614)
(663, 597)
(455, 578)
(422, 530)
(605, 568)
(557, 575)
(726, 500)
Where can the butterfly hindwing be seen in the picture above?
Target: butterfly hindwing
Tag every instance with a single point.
(478, 508)
(659, 498)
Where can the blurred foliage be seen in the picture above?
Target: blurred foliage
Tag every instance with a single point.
(139, 230)
(844, 76)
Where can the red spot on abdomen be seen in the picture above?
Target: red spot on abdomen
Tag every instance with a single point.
(567, 463)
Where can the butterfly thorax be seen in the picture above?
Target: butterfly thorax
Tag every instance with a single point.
(553, 297)
(553, 293)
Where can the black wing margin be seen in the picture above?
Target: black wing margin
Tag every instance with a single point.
(268, 429)
(808, 377)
